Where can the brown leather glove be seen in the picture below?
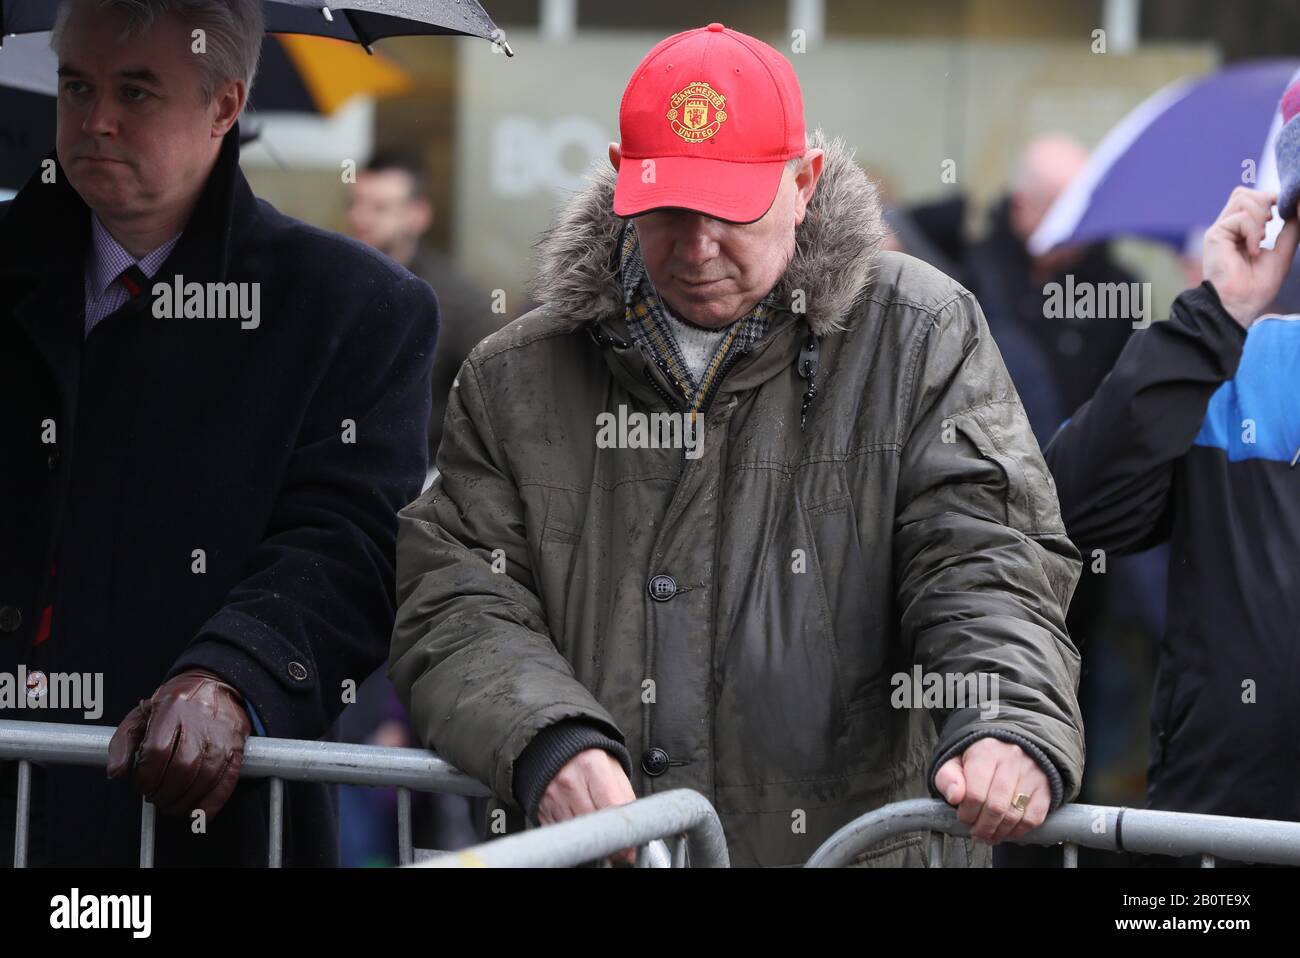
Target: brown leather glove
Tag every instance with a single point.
(185, 745)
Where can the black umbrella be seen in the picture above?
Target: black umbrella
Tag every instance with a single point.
(27, 117)
(29, 83)
(27, 63)
(358, 21)
(26, 134)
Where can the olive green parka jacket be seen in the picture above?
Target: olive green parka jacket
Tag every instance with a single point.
(907, 520)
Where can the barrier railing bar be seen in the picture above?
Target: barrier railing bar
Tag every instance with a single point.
(1146, 832)
(1149, 832)
(278, 759)
(276, 855)
(1069, 855)
(597, 835)
(148, 816)
(404, 853)
(338, 763)
(936, 849)
(23, 819)
(682, 815)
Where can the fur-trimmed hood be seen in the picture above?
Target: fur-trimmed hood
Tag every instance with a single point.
(577, 275)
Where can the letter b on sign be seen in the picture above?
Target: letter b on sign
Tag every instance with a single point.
(529, 155)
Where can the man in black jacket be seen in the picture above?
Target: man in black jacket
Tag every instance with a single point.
(211, 414)
(1194, 437)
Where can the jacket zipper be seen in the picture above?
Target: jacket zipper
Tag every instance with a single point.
(674, 404)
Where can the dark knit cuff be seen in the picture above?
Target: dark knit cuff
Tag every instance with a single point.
(551, 749)
(1054, 780)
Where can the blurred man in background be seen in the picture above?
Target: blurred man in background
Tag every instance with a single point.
(1056, 362)
(390, 208)
(1069, 354)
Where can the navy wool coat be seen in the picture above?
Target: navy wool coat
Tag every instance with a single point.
(202, 492)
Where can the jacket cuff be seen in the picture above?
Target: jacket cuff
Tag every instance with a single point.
(550, 750)
(1004, 735)
(275, 680)
(1204, 301)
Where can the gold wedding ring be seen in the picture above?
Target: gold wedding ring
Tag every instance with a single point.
(1020, 802)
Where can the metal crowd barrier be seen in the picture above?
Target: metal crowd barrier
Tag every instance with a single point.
(1111, 828)
(280, 760)
(1144, 831)
(682, 816)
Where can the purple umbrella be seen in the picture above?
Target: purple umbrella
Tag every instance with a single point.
(1166, 170)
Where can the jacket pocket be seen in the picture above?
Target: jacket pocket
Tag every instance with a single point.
(556, 556)
(842, 588)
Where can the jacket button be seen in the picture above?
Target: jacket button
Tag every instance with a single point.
(297, 671)
(654, 762)
(11, 619)
(52, 460)
(662, 588)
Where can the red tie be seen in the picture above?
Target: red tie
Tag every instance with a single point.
(134, 280)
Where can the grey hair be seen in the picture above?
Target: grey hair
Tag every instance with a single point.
(792, 164)
(232, 30)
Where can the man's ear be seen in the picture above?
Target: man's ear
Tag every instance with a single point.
(229, 100)
(615, 155)
(421, 215)
(806, 175)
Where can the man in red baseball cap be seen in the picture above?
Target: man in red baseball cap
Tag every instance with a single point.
(713, 116)
(727, 508)
(712, 136)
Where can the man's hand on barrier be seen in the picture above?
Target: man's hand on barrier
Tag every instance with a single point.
(184, 746)
(591, 780)
(1245, 276)
(984, 781)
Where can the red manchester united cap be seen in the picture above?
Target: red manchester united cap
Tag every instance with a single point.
(719, 114)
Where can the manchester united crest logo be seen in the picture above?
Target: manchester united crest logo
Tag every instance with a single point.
(697, 112)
